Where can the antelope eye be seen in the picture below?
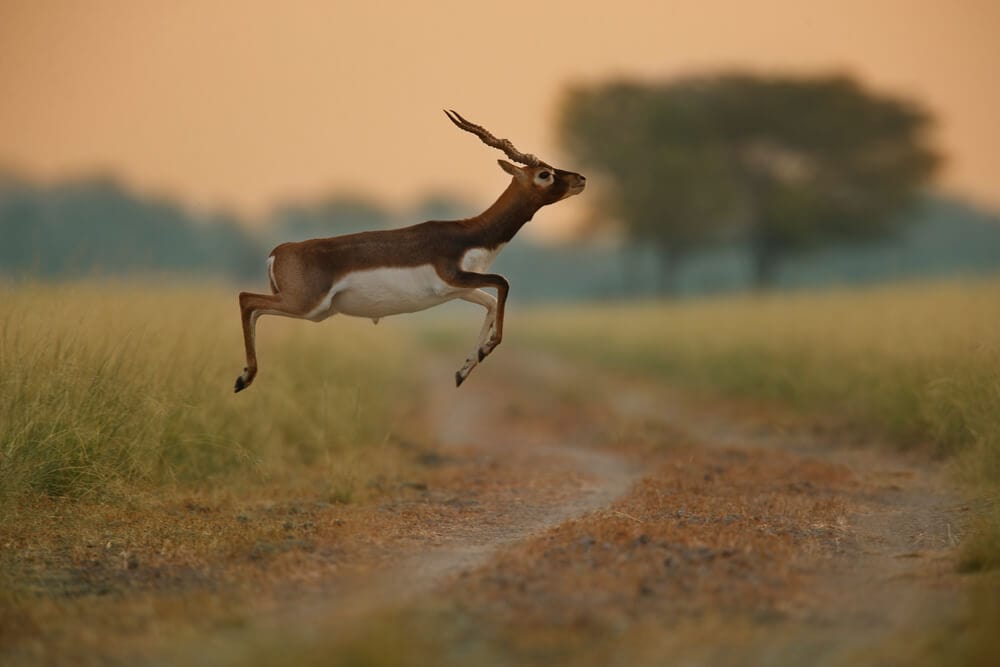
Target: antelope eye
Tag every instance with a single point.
(544, 175)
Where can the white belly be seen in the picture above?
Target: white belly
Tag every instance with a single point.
(380, 292)
(376, 293)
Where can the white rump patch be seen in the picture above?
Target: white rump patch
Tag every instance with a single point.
(270, 271)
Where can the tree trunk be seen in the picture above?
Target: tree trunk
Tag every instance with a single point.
(764, 248)
(669, 261)
(765, 263)
(631, 280)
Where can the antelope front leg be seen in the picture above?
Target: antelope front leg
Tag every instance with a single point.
(494, 315)
(486, 300)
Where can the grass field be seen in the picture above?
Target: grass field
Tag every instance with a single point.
(132, 479)
(109, 390)
(143, 504)
(919, 365)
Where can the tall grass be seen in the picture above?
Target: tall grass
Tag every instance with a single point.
(919, 363)
(106, 387)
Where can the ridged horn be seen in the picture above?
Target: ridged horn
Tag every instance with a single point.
(503, 144)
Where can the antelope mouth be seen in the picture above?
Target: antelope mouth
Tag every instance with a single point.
(572, 191)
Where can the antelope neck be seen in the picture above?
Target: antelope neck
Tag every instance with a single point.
(504, 218)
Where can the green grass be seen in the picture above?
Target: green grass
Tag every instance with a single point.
(918, 364)
(107, 389)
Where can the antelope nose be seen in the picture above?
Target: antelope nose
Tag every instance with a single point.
(583, 179)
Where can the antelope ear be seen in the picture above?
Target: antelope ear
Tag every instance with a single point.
(509, 168)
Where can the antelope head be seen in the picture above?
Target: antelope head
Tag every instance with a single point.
(540, 181)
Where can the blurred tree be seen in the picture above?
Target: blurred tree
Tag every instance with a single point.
(788, 163)
(665, 179)
(94, 225)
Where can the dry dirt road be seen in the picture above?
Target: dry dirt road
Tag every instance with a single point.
(587, 519)
(574, 517)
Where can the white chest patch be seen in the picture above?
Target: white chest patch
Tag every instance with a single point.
(389, 291)
(478, 260)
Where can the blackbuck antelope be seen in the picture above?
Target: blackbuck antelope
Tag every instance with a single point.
(380, 273)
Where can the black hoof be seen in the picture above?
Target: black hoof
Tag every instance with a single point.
(240, 385)
(459, 379)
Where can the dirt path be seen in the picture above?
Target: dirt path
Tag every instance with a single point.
(862, 538)
(480, 422)
(819, 530)
(616, 522)
(547, 479)
(504, 478)
(567, 517)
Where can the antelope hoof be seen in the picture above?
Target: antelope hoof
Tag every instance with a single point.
(242, 382)
(459, 379)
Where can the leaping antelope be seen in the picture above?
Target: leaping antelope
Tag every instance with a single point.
(380, 273)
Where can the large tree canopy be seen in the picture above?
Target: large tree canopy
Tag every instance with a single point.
(786, 162)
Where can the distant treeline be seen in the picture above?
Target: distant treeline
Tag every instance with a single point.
(97, 227)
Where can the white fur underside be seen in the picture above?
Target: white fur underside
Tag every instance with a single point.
(380, 292)
(376, 293)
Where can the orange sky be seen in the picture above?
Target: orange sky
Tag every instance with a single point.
(239, 109)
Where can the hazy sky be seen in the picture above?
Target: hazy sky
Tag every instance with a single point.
(242, 104)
